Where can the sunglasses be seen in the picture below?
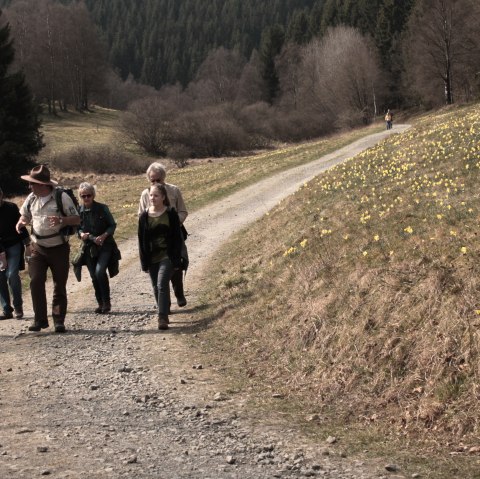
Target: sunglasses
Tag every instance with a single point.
(155, 180)
(85, 196)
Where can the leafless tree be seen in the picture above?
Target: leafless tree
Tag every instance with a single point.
(442, 49)
(83, 62)
(59, 50)
(217, 79)
(120, 93)
(251, 86)
(341, 76)
(149, 123)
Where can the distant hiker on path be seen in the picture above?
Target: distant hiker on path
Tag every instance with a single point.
(389, 119)
(100, 252)
(50, 248)
(156, 173)
(160, 245)
(11, 259)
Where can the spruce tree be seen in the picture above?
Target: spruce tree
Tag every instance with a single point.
(273, 39)
(20, 139)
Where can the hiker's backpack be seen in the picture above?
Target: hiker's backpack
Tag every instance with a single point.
(59, 190)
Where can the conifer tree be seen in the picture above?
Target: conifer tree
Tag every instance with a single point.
(272, 43)
(20, 139)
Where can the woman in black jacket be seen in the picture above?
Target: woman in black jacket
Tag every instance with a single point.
(99, 248)
(160, 244)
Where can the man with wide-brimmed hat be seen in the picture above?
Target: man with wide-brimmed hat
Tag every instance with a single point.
(50, 248)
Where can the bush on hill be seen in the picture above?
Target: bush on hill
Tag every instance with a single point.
(99, 159)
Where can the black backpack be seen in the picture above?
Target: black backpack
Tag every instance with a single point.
(59, 190)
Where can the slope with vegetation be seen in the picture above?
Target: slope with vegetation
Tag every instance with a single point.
(364, 303)
(91, 145)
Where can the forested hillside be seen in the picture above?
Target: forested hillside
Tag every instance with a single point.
(165, 41)
(201, 78)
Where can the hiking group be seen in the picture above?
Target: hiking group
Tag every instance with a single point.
(54, 214)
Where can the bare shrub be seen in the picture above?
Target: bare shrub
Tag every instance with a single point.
(148, 122)
(210, 132)
(217, 79)
(264, 123)
(179, 154)
(300, 125)
(99, 159)
(256, 121)
(121, 93)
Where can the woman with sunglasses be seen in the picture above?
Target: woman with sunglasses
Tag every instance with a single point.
(99, 248)
(160, 243)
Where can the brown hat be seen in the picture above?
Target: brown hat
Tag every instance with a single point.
(40, 174)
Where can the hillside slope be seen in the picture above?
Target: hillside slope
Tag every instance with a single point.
(364, 302)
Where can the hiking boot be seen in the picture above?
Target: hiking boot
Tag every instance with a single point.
(163, 321)
(99, 309)
(177, 283)
(181, 301)
(107, 307)
(59, 325)
(6, 316)
(60, 328)
(38, 326)
(18, 313)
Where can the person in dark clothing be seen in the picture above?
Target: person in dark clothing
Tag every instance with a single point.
(96, 231)
(156, 173)
(160, 246)
(11, 259)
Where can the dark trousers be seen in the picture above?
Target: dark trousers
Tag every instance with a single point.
(57, 259)
(160, 274)
(177, 283)
(97, 267)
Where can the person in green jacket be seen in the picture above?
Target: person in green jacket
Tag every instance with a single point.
(96, 231)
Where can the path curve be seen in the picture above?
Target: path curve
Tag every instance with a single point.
(116, 398)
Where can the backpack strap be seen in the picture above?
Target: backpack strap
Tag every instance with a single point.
(58, 199)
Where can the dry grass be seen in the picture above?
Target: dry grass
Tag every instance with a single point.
(201, 182)
(73, 129)
(365, 302)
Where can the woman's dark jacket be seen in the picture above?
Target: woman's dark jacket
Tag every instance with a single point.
(9, 215)
(174, 240)
(101, 221)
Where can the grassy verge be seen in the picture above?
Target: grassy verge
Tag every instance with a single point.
(363, 307)
(200, 183)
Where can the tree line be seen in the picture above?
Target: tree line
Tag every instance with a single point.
(311, 74)
(159, 42)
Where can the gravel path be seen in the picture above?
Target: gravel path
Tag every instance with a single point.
(116, 398)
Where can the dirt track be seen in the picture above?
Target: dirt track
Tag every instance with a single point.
(115, 397)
